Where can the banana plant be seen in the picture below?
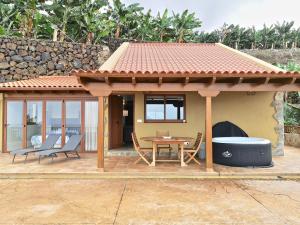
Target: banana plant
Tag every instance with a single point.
(124, 16)
(184, 25)
(163, 25)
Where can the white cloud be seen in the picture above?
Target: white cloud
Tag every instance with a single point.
(214, 13)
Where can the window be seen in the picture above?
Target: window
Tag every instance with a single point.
(73, 118)
(165, 108)
(54, 120)
(91, 125)
(34, 123)
(14, 125)
(28, 122)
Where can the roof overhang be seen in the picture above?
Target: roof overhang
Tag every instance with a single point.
(113, 78)
(101, 82)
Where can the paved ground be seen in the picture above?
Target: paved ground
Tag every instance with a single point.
(149, 202)
(125, 166)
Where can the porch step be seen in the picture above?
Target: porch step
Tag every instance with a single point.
(152, 175)
(121, 153)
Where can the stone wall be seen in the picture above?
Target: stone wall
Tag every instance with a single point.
(27, 58)
(274, 56)
(292, 139)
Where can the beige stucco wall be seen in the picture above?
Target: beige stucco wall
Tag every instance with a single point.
(252, 112)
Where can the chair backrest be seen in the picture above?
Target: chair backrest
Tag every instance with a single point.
(72, 143)
(135, 141)
(198, 141)
(50, 141)
(161, 133)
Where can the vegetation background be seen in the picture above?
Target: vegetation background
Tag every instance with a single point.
(98, 21)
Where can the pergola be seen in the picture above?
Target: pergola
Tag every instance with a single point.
(205, 69)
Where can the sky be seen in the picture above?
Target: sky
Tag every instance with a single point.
(213, 13)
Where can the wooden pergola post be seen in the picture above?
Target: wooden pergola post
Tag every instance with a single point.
(100, 141)
(208, 127)
(208, 133)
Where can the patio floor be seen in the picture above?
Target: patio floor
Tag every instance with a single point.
(123, 167)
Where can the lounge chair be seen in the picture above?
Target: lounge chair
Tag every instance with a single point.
(190, 153)
(141, 151)
(48, 144)
(70, 147)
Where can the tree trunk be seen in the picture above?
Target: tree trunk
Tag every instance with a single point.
(118, 31)
(161, 37)
(89, 38)
(180, 39)
(293, 45)
(55, 33)
(236, 46)
(272, 46)
(62, 35)
(29, 26)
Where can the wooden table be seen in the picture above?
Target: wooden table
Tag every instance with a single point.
(166, 141)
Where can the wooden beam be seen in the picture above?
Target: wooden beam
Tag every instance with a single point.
(102, 89)
(100, 144)
(267, 80)
(63, 116)
(180, 75)
(107, 80)
(44, 117)
(187, 80)
(208, 93)
(213, 80)
(160, 80)
(208, 134)
(293, 80)
(24, 128)
(240, 80)
(133, 81)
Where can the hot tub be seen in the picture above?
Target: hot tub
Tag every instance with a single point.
(242, 151)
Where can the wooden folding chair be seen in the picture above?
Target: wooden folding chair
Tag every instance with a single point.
(163, 147)
(141, 151)
(190, 153)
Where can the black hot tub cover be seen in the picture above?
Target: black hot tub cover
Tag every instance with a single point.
(227, 129)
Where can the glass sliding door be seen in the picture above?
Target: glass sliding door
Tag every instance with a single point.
(54, 119)
(91, 125)
(34, 123)
(73, 118)
(14, 125)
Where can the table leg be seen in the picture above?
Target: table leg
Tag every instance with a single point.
(154, 146)
(181, 154)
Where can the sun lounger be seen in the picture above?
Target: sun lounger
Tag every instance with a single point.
(70, 147)
(47, 145)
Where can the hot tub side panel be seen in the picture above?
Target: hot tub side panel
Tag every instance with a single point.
(230, 154)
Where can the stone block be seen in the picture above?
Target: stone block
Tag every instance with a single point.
(17, 58)
(22, 65)
(4, 65)
(11, 46)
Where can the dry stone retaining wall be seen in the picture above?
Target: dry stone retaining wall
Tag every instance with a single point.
(27, 58)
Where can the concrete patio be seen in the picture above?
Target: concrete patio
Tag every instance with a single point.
(287, 166)
(149, 202)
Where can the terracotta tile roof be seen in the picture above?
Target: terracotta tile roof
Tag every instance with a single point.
(44, 82)
(183, 58)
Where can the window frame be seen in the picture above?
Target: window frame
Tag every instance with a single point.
(164, 120)
(24, 99)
